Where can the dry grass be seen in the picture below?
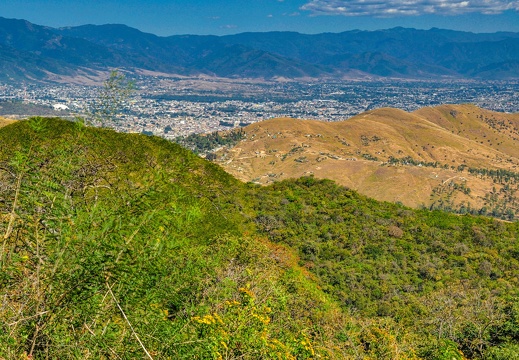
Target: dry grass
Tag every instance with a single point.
(345, 151)
(4, 121)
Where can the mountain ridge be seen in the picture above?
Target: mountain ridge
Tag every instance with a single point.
(392, 53)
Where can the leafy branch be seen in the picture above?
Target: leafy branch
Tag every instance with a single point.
(112, 99)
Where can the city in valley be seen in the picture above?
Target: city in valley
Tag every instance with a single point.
(171, 107)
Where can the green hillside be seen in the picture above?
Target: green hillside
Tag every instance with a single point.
(442, 277)
(118, 246)
(103, 230)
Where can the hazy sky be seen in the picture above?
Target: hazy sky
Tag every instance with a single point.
(218, 17)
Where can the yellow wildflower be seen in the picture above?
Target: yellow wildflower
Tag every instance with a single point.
(218, 318)
(247, 292)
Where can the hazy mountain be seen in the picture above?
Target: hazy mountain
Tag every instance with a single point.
(37, 52)
(193, 53)
(49, 46)
(398, 52)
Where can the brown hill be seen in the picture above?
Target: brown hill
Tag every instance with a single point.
(497, 130)
(4, 121)
(457, 157)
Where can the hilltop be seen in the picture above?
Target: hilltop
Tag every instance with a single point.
(457, 157)
(123, 245)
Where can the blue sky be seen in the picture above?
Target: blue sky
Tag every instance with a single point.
(172, 17)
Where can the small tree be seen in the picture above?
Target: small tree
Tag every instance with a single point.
(112, 98)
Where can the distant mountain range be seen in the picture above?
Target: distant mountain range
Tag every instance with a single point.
(40, 53)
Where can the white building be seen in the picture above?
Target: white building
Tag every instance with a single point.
(60, 107)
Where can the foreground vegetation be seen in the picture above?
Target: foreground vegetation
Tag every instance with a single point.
(206, 143)
(127, 246)
(447, 279)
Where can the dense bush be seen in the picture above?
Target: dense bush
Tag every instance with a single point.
(449, 279)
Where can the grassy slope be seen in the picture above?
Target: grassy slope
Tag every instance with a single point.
(102, 230)
(355, 153)
(499, 131)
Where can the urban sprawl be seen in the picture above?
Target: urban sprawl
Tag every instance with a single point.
(172, 107)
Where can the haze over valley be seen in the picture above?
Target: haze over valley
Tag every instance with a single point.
(172, 107)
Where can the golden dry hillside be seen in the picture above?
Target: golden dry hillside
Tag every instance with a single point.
(4, 121)
(458, 157)
(499, 131)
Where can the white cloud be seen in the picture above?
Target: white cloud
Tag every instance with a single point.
(392, 8)
(228, 26)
